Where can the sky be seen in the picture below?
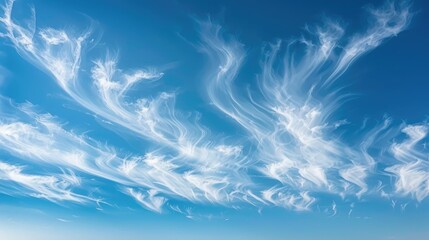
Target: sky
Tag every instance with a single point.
(183, 119)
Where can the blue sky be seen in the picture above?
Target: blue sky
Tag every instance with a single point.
(214, 120)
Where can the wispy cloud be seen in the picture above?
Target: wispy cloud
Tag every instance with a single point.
(291, 151)
(292, 117)
(40, 139)
(148, 199)
(53, 188)
(412, 170)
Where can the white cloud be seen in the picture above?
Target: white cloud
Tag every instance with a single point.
(290, 152)
(291, 114)
(412, 171)
(54, 188)
(148, 199)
